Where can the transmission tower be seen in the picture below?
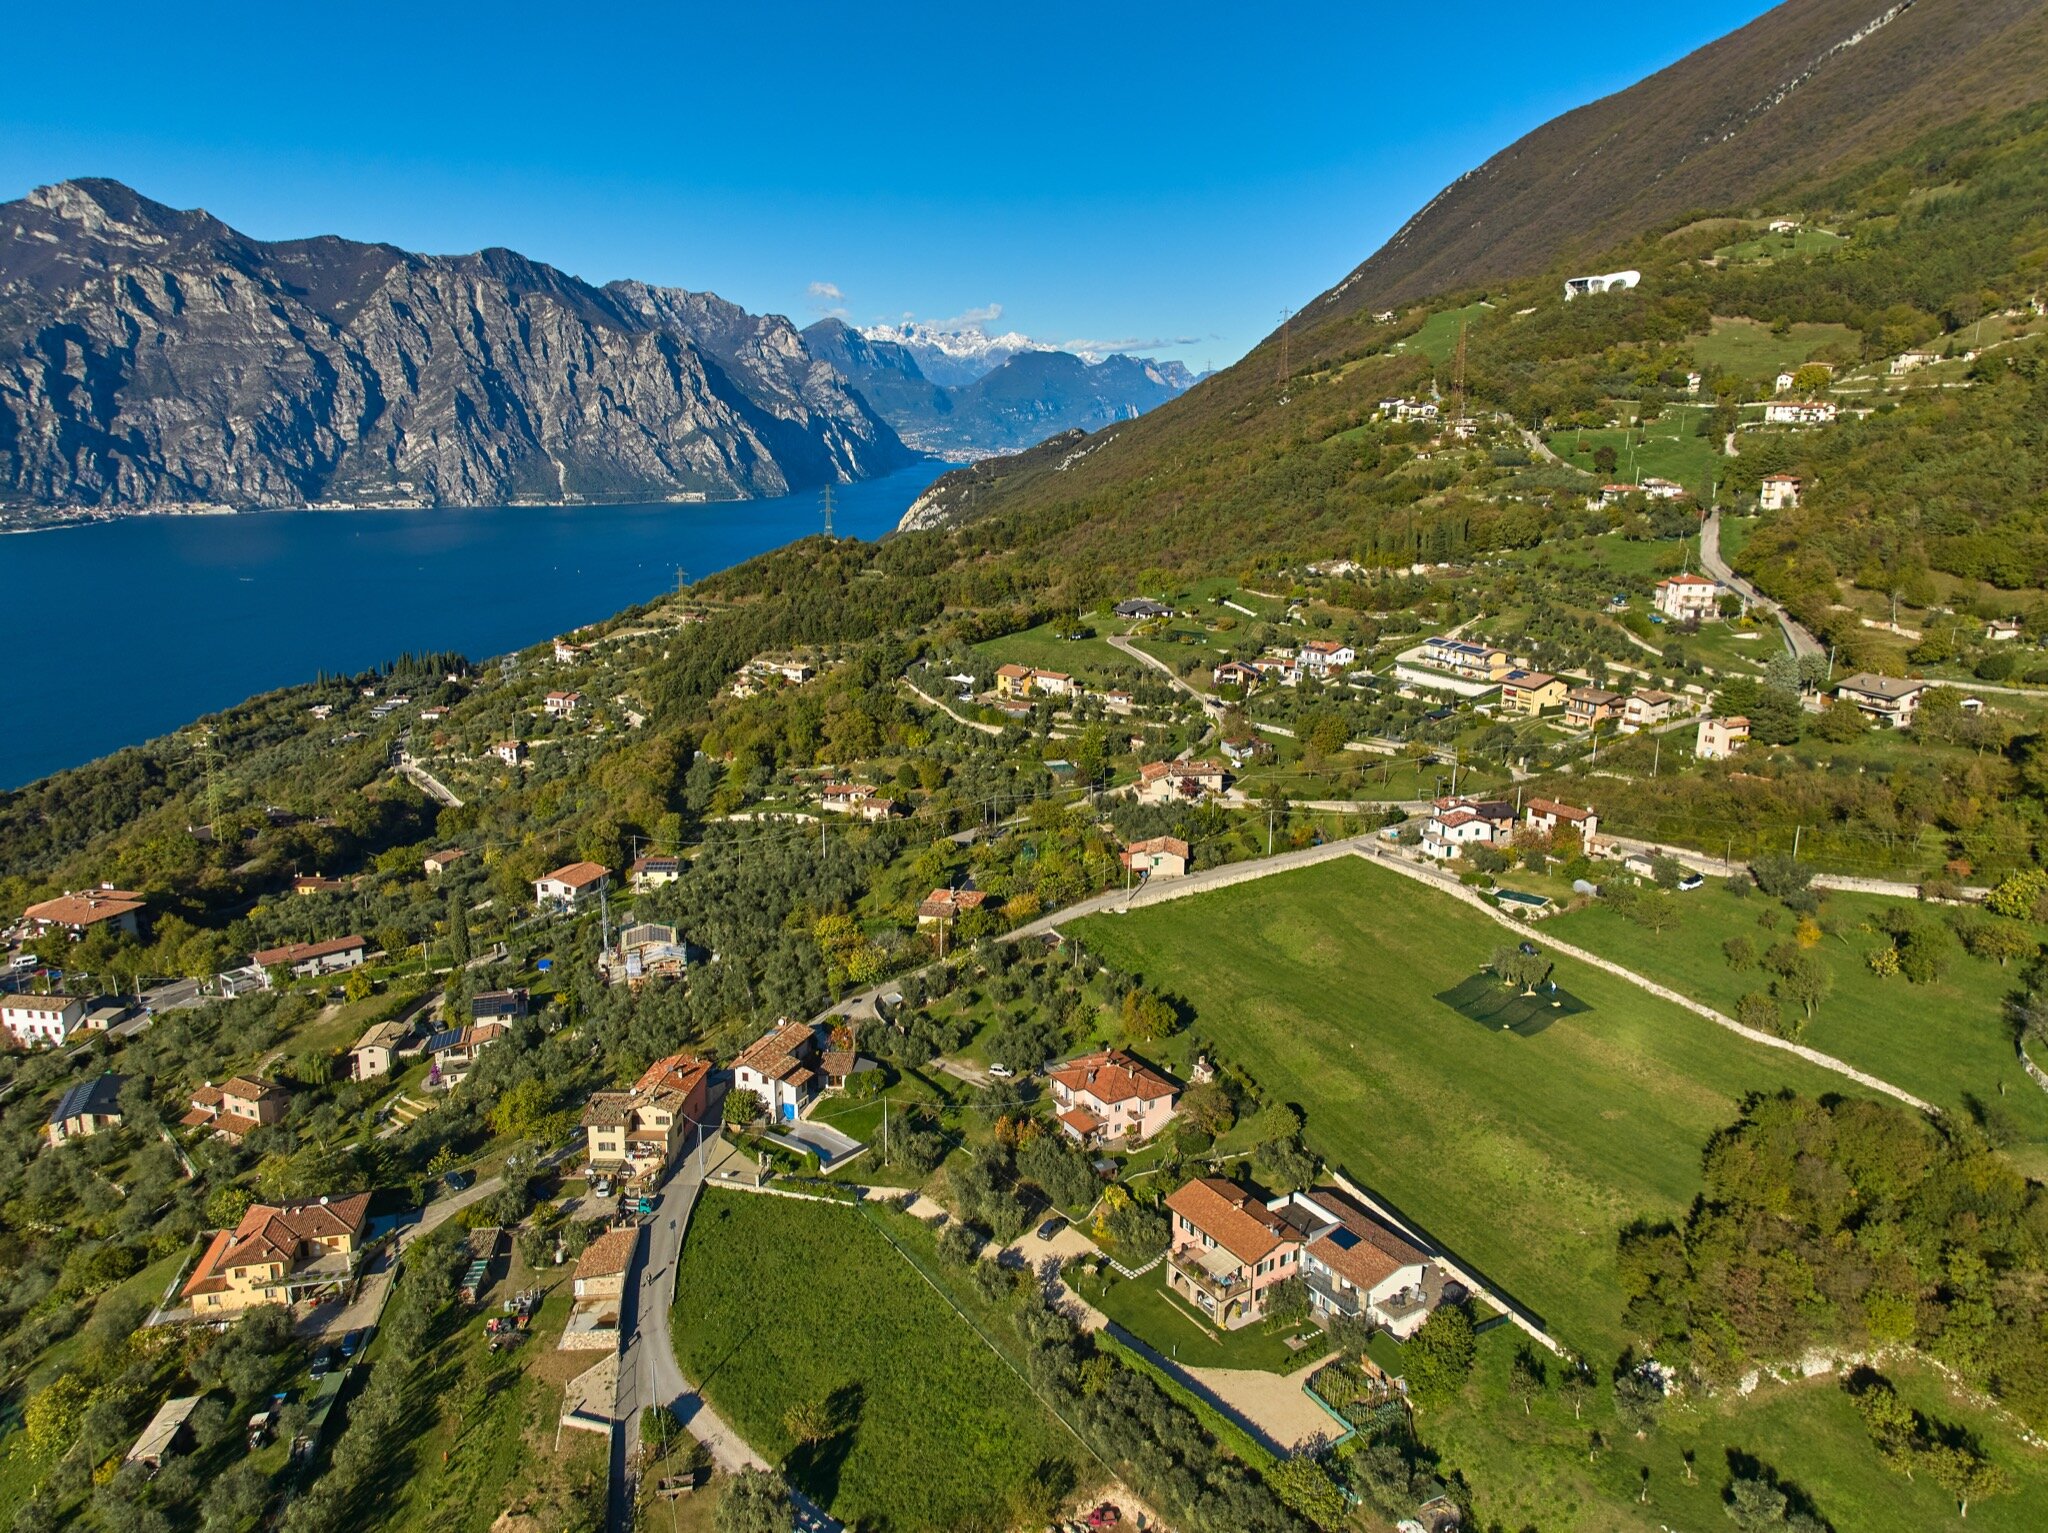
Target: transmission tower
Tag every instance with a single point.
(1458, 388)
(828, 515)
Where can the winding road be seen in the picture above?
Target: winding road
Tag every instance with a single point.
(1801, 642)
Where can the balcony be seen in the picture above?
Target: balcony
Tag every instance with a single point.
(1213, 1277)
(1333, 1295)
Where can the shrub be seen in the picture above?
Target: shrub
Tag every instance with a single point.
(1740, 953)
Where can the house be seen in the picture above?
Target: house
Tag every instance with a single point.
(645, 951)
(1013, 681)
(1609, 495)
(1646, 709)
(1228, 1248)
(433, 715)
(1020, 681)
(781, 1067)
(843, 797)
(567, 653)
(1779, 492)
(452, 1051)
(437, 863)
(1688, 598)
(1465, 657)
(1116, 700)
(1662, 489)
(654, 870)
(34, 1021)
(1911, 362)
(1447, 833)
(1545, 817)
(635, 1133)
(511, 752)
(1610, 282)
(571, 888)
(1112, 1095)
(1784, 226)
(561, 705)
(1590, 707)
(313, 883)
(1235, 673)
(1320, 657)
(876, 810)
(1529, 692)
(77, 914)
(1140, 607)
(278, 1254)
(1243, 748)
(1159, 857)
(1403, 411)
(1357, 1265)
(2002, 630)
(499, 1006)
(84, 1109)
(942, 905)
(1165, 782)
(1279, 668)
(310, 958)
(378, 1048)
(1892, 700)
(1052, 683)
(1718, 739)
(601, 1270)
(166, 1435)
(1799, 412)
(237, 1107)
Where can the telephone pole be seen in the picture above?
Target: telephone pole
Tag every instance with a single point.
(829, 538)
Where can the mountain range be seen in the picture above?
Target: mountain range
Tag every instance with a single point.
(153, 357)
(1009, 396)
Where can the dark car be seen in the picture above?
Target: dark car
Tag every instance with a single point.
(1052, 1226)
(322, 1364)
(1529, 949)
(351, 1344)
(458, 1181)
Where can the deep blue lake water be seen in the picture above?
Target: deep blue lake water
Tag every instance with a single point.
(133, 628)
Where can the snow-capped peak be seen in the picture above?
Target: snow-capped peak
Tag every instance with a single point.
(954, 356)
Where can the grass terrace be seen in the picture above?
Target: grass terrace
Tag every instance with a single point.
(1749, 348)
(1525, 1156)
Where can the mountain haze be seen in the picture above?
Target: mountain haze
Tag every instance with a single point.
(150, 356)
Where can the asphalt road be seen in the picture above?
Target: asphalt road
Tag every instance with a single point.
(1801, 641)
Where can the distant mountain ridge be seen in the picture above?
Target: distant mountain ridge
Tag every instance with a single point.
(151, 356)
(1032, 393)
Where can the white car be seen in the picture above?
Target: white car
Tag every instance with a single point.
(1001, 1072)
(1692, 881)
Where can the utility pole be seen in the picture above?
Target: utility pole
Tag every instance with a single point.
(1795, 841)
(829, 538)
(1656, 752)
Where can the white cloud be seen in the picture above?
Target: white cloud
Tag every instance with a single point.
(1129, 345)
(827, 299)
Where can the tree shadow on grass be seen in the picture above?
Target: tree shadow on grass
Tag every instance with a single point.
(815, 1468)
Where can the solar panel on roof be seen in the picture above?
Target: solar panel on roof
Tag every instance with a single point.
(444, 1040)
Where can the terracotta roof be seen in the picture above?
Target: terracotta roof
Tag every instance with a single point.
(1359, 1246)
(1687, 579)
(275, 1232)
(610, 1254)
(302, 952)
(607, 1109)
(578, 875)
(207, 1096)
(87, 908)
(1172, 844)
(946, 902)
(1013, 671)
(680, 1073)
(35, 1002)
(838, 1063)
(1113, 1076)
(1550, 807)
(235, 1126)
(1081, 1120)
(1232, 1216)
(775, 1054)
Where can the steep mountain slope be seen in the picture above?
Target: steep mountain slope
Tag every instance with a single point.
(1029, 395)
(152, 356)
(1806, 90)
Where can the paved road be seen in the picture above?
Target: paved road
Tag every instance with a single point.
(1209, 704)
(1797, 637)
(946, 709)
(428, 784)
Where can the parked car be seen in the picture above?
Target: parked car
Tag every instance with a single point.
(458, 1181)
(1692, 881)
(322, 1364)
(1528, 950)
(1001, 1072)
(352, 1343)
(1052, 1226)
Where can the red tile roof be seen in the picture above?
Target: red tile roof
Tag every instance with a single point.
(302, 952)
(1359, 1246)
(1231, 1216)
(1113, 1076)
(87, 908)
(276, 1232)
(777, 1055)
(610, 1254)
(579, 875)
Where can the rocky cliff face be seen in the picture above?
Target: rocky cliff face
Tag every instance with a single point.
(150, 357)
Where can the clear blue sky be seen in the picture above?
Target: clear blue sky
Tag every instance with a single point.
(1143, 173)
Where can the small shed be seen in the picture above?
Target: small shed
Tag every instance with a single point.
(166, 1434)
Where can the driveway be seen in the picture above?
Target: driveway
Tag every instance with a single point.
(828, 1144)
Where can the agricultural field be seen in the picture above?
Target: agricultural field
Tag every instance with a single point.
(1665, 448)
(1438, 337)
(1044, 648)
(783, 1304)
(1766, 246)
(1525, 1156)
(1947, 1041)
(1528, 1467)
(1749, 348)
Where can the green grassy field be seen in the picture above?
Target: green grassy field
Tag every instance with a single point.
(1666, 449)
(1748, 348)
(780, 1302)
(1532, 1470)
(1438, 337)
(1946, 1042)
(1143, 1307)
(1777, 247)
(1092, 660)
(1524, 1156)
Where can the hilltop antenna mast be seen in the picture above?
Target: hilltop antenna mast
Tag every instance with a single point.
(829, 538)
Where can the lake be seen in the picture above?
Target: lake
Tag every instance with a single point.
(129, 629)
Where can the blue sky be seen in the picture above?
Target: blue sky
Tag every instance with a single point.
(1163, 176)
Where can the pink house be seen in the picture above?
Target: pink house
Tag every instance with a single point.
(1112, 1094)
(1228, 1249)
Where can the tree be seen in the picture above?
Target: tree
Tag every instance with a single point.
(742, 1108)
(1518, 970)
(458, 928)
(1440, 1354)
(812, 1421)
(755, 1501)
(1806, 982)
(226, 1204)
(1638, 1399)
(1758, 1011)
(54, 1412)
(1306, 1486)
(2001, 941)
(1147, 1017)
(1779, 875)
(1527, 1377)
(1961, 1469)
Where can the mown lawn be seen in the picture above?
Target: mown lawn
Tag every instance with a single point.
(1144, 1307)
(1524, 1156)
(1946, 1042)
(1667, 449)
(1534, 1469)
(1093, 660)
(782, 1302)
(1750, 349)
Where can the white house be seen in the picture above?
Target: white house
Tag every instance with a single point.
(1718, 739)
(782, 1068)
(573, 887)
(1646, 709)
(1545, 817)
(1319, 657)
(1610, 282)
(1892, 700)
(561, 705)
(1912, 361)
(1779, 492)
(1687, 598)
(41, 1021)
(1355, 1264)
(1800, 412)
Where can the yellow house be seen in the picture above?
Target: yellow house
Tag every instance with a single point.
(278, 1254)
(1529, 692)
